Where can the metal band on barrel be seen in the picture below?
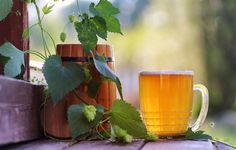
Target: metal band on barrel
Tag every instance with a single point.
(84, 59)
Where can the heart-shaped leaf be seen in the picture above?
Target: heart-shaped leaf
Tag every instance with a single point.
(15, 59)
(61, 79)
(77, 121)
(128, 118)
(5, 8)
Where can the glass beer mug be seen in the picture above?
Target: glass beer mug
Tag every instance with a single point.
(166, 99)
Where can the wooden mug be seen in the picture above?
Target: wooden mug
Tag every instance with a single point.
(54, 117)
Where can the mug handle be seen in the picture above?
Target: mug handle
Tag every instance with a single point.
(204, 108)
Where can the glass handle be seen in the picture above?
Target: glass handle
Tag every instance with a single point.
(204, 109)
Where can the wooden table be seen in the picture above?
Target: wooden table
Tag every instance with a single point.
(106, 145)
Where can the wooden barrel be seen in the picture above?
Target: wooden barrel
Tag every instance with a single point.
(55, 116)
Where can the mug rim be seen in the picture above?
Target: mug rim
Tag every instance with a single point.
(166, 72)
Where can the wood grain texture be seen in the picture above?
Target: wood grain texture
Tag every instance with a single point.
(19, 110)
(54, 119)
(179, 145)
(84, 145)
(38, 145)
(106, 145)
(11, 30)
(58, 126)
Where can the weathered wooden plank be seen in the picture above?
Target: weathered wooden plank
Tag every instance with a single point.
(179, 145)
(19, 110)
(222, 146)
(106, 145)
(39, 145)
(103, 145)
(84, 145)
(11, 30)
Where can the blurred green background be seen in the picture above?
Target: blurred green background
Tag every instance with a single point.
(198, 35)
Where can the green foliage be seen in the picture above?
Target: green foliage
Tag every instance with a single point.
(128, 138)
(93, 87)
(99, 26)
(151, 137)
(127, 117)
(93, 10)
(105, 8)
(63, 36)
(72, 18)
(5, 8)
(61, 79)
(86, 34)
(87, 74)
(107, 11)
(104, 69)
(120, 134)
(113, 24)
(90, 27)
(47, 9)
(15, 59)
(89, 112)
(199, 135)
(78, 123)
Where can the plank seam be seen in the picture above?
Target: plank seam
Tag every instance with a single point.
(141, 147)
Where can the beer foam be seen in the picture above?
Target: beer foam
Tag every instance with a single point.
(174, 72)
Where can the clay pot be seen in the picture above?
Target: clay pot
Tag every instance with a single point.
(54, 117)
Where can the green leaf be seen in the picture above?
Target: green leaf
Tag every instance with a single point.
(100, 26)
(128, 118)
(104, 7)
(93, 10)
(63, 36)
(107, 11)
(25, 33)
(72, 18)
(119, 87)
(5, 8)
(199, 135)
(47, 9)
(78, 124)
(105, 70)
(86, 34)
(93, 87)
(61, 79)
(87, 74)
(3, 59)
(121, 134)
(13, 66)
(151, 137)
(113, 24)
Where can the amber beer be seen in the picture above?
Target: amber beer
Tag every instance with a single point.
(166, 101)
